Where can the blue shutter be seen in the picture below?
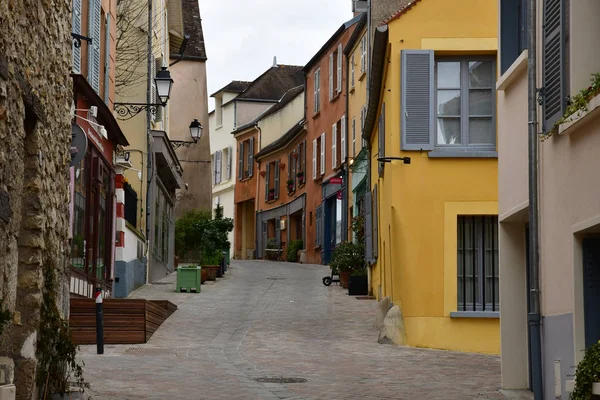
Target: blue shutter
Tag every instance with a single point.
(318, 221)
(277, 179)
(107, 60)
(94, 29)
(417, 108)
(375, 221)
(241, 162)
(267, 177)
(76, 20)
(368, 228)
(251, 157)
(553, 48)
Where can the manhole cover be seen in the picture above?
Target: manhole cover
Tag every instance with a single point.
(276, 279)
(151, 352)
(279, 379)
(365, 298)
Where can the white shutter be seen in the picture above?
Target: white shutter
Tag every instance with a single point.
(316, 98)
(76, 20)
(323, 153)
(319, 89)
(107, 60)
(94, 29)
(314, 163)
(343, 139)
(339, 69)
(362, 54)
(352, 71)
(331, 77)
(353, 137)
(334, 146)
(219, 163)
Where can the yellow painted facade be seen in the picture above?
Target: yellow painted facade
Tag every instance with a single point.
(418, 203)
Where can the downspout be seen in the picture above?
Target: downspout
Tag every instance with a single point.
(368, 61)
(257, 231)
(347, 167)
(534, 317)
(149, 138)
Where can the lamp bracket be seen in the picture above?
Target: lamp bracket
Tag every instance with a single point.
(126, 111)
(179, 143)
(77, 38)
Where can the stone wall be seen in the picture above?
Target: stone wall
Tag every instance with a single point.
(35, 134)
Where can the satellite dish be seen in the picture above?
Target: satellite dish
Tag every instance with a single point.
(78, 144)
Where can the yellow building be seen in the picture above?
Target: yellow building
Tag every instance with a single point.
(356, 57)
(434, 214)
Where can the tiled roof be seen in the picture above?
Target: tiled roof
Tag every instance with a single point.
(233, 87)
(189, 13)
(410, 4)
(273, 83)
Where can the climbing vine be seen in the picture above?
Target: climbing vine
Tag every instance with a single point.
(588, 372)
(56, 350)
(578, 103)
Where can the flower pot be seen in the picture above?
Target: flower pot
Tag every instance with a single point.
(358, 285)
(203, 275)
(344, 279)
(212, 271)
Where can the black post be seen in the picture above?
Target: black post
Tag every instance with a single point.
(99, 323)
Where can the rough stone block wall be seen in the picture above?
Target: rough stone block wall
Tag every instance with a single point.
(35, 135)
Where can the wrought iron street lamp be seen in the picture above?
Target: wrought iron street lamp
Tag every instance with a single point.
(195, 133)
(163, 83)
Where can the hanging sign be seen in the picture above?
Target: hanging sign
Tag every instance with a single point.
(335, 181)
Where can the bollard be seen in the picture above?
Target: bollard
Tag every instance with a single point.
(99, 323)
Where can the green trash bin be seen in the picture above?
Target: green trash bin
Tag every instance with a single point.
(188, 279)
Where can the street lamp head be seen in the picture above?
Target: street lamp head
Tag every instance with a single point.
(196, 130)
(164, 83)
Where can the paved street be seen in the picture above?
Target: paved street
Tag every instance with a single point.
(278, 320)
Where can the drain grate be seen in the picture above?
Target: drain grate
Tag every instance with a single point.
(279, 379)
(277, 279)
(150, 352)
(365, 298)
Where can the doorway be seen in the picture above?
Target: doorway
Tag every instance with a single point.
(591, 290)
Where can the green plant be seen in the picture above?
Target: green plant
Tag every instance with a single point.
(348, 257)
(358, 227)
(292, 250)
(271, 244)
(56, 351)
(5, 316)
(290, 182)
(587, 373)
(577, 103)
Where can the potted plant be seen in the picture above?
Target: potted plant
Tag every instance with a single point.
(271, 194)
(290, 185)
(346, 257)
(292, 251)
(300, 176)
(587, 374)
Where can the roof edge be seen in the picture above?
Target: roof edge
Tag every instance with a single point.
(362, 22)
(380, 42)
(400, 12)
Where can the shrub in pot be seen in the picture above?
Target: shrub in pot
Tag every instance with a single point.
(347, 256)
(292, 250)
(587, 373)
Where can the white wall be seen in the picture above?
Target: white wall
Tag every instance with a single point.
(277, 124)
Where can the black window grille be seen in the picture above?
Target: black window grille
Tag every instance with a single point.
(131, 200)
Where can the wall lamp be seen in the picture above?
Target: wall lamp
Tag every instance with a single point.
(406, 160)
(163, 83)
(195, 133)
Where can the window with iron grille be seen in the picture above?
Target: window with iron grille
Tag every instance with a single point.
(478, 271)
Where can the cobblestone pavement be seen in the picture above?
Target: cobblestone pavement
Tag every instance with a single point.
(278, 320)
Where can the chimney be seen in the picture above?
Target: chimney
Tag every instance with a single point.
(275, 61)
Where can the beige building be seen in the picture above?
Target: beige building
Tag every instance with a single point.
(569, 211)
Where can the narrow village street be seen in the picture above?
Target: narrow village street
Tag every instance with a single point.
(266, 319)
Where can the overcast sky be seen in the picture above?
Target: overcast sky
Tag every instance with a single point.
(241, 36)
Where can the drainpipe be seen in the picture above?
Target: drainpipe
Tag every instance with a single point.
(257, 231)
(149, 139)
(534, 317)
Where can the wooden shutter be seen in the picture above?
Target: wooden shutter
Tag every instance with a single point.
(94, 31)
(381, 137)
(241, 162)
(251, 157)
(339, 69)
(362, 54)
(353, 137)
(368, 227)
(315, 94)
(219, 166)
(76, 21)
(322, 153)
(352, 71)
(334, 146)
(554, 77)
(319, 89)
(314, 159)
(107, 60)
(375, 220)
(267, 177)
(343, 139)
(277, 169)
(417, 108)
(331, 77)
(229, 156)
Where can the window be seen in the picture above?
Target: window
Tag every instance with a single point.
(352, 72)
(317, 91)
(227, 160)
(131, 204)
(79, 226)
(513, 31)
(219, 110)
(246, 159)
(363, 117)
(292, 170)
(272, 181)
(301, 163)
(94, 32)
(353, 137)
(319, 156)
(363, 54)
(335, 73)
(163, 221)
(478, 276)
(338, 142)
(465, 102)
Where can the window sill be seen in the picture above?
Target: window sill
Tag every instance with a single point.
(301, 185)
(362, 75)
(581, 118)
(518, 67)
(246, 179)
(463, 154)
(270, 201)
(336, 95)
(475, 314)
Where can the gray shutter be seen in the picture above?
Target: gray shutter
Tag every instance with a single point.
(251, 157)
(289, 167)
(107, 60)
(304, 158)
(368, 227)
(381, 136)
(241, 162)
(417, 108)
(76, 20)
(220, 166)
(318, 226)
(267, 178)
(277, 179)
(229, 150)
(554, 77)
(94, 30)
(375, 221)
(278, 231)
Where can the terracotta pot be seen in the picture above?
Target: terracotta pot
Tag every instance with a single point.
(203, 275)
(344, 279)
(212, 271)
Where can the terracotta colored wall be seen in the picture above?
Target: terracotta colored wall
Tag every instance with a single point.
(245, 189)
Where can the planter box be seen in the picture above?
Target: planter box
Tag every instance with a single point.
(344, 279)
(358, 285)
(212, 271)
(189, 279)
